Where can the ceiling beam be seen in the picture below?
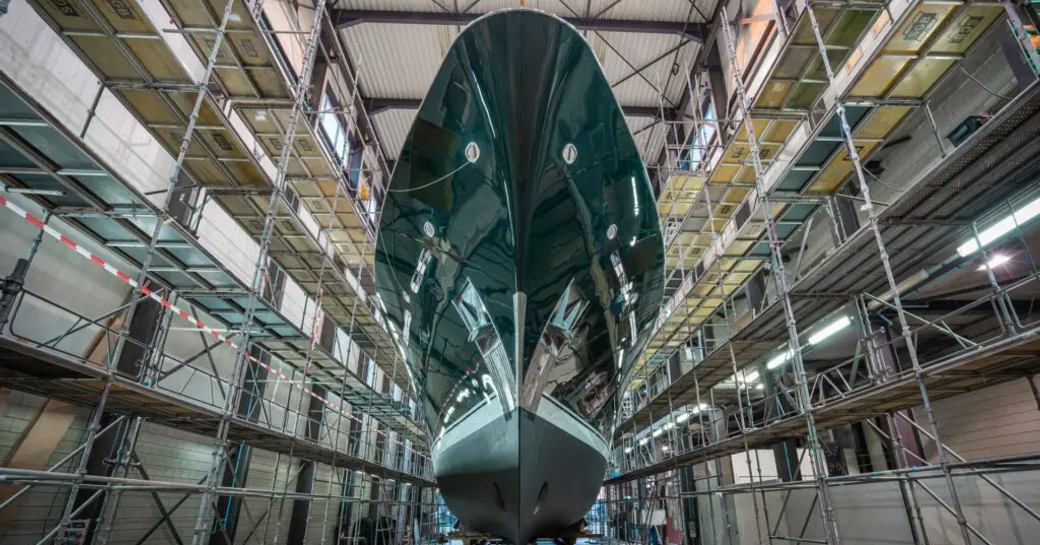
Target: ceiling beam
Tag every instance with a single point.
(346, 18)
(375, 105)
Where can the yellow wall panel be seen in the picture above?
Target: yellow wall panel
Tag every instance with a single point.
(781, 130)
(917, 82)
(883, 120)
(925, 20)
(879, 76)
(966, 27)
(725, 172)
(774, 94)
(839, 167)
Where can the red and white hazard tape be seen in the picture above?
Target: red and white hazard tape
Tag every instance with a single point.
(183, 314)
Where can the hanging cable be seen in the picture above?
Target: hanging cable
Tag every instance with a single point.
(983, 85)
(428, 184)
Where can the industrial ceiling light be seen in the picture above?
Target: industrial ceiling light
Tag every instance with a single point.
(778, 360)
(816, 338)
(1002, 227)
(829, 330)
(995, 261)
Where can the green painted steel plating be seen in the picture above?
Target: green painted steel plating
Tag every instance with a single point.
(519, 177)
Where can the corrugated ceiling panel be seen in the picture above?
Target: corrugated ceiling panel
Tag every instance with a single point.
(393, 128)
(656, 10)
(551, 6)
(668, 75)
(400, 61)
(638, 51)
(397, 61)
(391, 5)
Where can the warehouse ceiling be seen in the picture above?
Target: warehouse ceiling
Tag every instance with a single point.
(646, 49)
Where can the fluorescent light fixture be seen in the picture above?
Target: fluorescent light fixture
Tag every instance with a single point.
(995, 262)
(829, 330)
(816, 338)
(668, 426)
(628, 450)
(750, 377)
(682, 417)
(657, 433)
(1002, 227)
(760, 386)
(779, 360)
(644, 440)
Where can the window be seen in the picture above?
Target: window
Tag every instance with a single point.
(333, 129)
(349, 153)
(700, 141)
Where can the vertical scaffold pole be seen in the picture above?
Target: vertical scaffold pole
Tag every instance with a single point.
(819, 466)
(202, 522)
(907, 335)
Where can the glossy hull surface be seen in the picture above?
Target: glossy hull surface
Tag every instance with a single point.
(519, 270)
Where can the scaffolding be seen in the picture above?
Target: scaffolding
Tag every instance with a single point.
(724, 384)
(230, 90)
(237, 93)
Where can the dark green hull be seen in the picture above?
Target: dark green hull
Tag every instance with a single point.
(520, 269)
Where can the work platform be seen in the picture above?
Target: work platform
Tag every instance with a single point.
(933, 213)
(51, 375)
(886, 65)
(881, 77)
(835, 402)
(154, 71)
(38, 154)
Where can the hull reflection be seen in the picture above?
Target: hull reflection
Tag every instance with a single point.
(519, 270)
